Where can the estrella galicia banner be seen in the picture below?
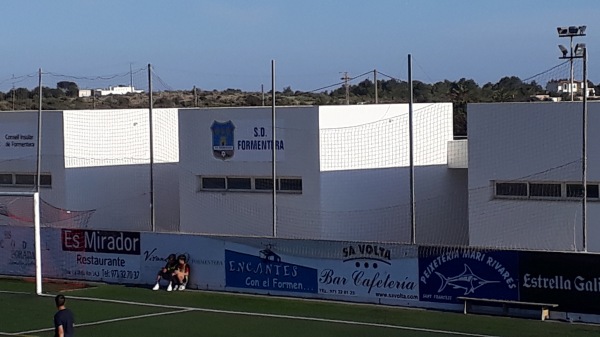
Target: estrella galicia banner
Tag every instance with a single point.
(448, 273)
(571, 280)
(267, 271)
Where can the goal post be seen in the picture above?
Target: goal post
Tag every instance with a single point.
(22, 209)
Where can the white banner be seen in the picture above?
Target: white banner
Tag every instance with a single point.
(17, 251)
(205, 257)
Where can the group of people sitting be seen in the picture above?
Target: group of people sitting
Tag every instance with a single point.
(176, 271)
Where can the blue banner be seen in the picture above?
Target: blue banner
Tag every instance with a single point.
(447, 273)
(268, 272)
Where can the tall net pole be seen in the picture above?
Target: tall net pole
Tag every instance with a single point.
(274, 149)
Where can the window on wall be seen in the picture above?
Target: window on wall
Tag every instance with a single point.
(543, 190)
(511, 189)
(25, 179)
(576, 191)
(6, 179)
(263, 184)
(250, 184)
(239, 183)
(290, 184)
(213, 183)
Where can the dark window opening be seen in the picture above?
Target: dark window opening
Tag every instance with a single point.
(291, 184)
(576, 191)
(511, 189)
(544, 190)
(239, 183)
(6, 179)
(24, 179)
(213, 183)
(263, 184)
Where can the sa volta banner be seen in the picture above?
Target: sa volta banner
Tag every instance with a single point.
(447, 273)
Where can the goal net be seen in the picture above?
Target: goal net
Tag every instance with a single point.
(29, 227)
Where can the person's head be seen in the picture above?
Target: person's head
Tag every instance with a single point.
(182, 259)
(59, 300)
(171, 257)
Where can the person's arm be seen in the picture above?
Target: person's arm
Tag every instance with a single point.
(61, 331)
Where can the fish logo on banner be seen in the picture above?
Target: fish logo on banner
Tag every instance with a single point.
(466, 280)
(222, 143)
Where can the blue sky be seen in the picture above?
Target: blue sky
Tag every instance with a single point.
(230, 44)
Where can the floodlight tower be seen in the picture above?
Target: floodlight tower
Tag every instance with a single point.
(570, 32)
(580, 51)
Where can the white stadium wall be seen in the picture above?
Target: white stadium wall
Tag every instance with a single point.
(249, 212)
(352, 162)
(107, 160)
(19, 146)
(365, 168)
(533, 143)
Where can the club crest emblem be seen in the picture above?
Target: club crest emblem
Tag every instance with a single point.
(222, 135)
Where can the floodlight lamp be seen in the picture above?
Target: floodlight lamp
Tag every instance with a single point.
(582, 29)
(562, 31)
(563, 50)
(580, 49)
(573, 30)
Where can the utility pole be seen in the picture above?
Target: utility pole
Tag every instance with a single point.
(130, 77)
(195, 97)
(375, 83)
(13, 92)
(346, 79)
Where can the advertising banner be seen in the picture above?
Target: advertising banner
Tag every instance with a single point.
(447, 273)
(335, 270)
(571, 280)
(204, 256)
(370, 272)
(17, 251)
(94, 255)
(264, 269)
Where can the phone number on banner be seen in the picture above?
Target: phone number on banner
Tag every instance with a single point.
(337, 292)
(121, 274)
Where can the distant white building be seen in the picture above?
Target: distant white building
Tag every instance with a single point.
(565, 87)
(84, 93)
(118, 90)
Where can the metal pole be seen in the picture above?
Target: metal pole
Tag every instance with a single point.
(39, 136)
(413, 235)
(150, 103)
(584, 150)
(375, 82)
(273, 149)
(571, 74)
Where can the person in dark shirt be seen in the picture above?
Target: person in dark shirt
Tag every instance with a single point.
(64, 322)
(182, 272)
(166, 273)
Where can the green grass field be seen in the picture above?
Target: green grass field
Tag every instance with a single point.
(111, 310)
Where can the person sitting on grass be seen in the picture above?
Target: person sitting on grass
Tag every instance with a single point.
(181, 273)
(166, 273)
